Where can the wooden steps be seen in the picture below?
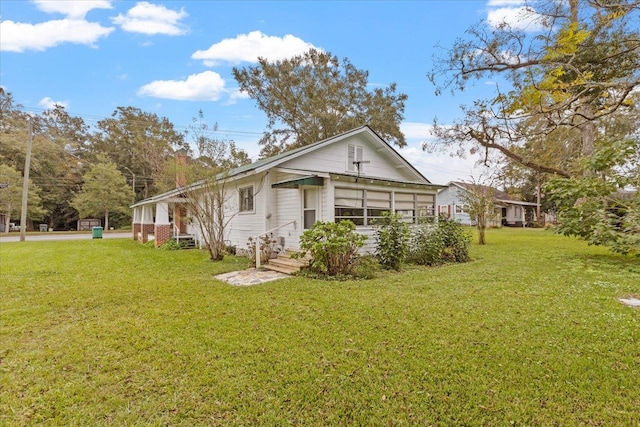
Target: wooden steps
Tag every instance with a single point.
(287, 265)
(187, 241)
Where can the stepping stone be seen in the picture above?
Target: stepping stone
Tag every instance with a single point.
(632, 302)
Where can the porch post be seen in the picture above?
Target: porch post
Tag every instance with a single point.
(146, 222)
(162, 227)
(135, 220)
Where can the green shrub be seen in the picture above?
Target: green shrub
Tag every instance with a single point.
(333, 247)
(170, 245)
(392, 241)
(456, 240)
(447, 241)
(365, 267)
(426, 245)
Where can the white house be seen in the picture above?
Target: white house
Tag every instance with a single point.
(508, 211)
(355, 176)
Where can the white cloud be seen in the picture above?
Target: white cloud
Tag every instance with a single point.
(206, 86)
(147, 18)
(235, 95)
(72, 9)
(519, 18)
(49, 104)
(438, 167)
(416, 131)
(18, 36)
(248, 47)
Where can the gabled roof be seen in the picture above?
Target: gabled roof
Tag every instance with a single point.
(278, 159)
(274, 161)
(499, 195)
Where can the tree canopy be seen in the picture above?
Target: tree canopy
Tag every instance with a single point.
(567, 94)
(104, 190)
(581, 66)
(314, 96)
(140, 143)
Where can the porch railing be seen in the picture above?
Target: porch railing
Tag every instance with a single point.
(257, 238)
(195, 236)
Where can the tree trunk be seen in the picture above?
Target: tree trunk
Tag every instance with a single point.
(481, 240)
(106, 220)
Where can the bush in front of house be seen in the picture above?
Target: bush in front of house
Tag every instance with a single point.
(456, 239)
(392, 241)
(333, 247)
(446, 241)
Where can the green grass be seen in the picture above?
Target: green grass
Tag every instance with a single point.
(110, 332)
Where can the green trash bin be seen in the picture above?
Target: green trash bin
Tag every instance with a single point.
(97, 232)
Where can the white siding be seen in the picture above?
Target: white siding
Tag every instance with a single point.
(243, 225)
(288, 205)
(333, 159)
(450, 197)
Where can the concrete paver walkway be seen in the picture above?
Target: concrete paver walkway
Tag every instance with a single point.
(252, 276)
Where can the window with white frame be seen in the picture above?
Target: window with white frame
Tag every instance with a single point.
(246, 199)
(365, 207)
(414, 207)
(349, 205)
(461, 209)
(354, 155)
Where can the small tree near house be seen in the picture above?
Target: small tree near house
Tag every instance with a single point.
(208, 202)
(479, 201)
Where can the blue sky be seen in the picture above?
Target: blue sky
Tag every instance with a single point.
(174, 58)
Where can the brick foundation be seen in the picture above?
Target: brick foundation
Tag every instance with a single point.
(136, 230)
(162, 234)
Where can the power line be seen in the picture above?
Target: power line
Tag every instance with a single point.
(95, 118)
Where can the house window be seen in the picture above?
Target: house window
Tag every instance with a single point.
(365, 207)
(425, 207)
(377, 203)
(349, 205)
(414, 208)
(246, 199)
(461, 209)
(354, 155)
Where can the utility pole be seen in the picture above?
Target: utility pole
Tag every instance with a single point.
(133, 180)
(25, 183)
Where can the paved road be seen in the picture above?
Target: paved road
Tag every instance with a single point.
(15, 237)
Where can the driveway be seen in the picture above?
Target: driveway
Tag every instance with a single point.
(15, 237)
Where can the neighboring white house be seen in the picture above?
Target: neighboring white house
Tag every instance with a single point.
(355, 176)
(508, 211)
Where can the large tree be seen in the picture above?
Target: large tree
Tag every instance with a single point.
(560, 86)
(104, 190)
(60, 149)
(314, 96)
(140, 143)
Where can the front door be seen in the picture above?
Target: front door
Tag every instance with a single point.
(309, 207)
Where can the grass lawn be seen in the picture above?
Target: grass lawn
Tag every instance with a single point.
(109, 332)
